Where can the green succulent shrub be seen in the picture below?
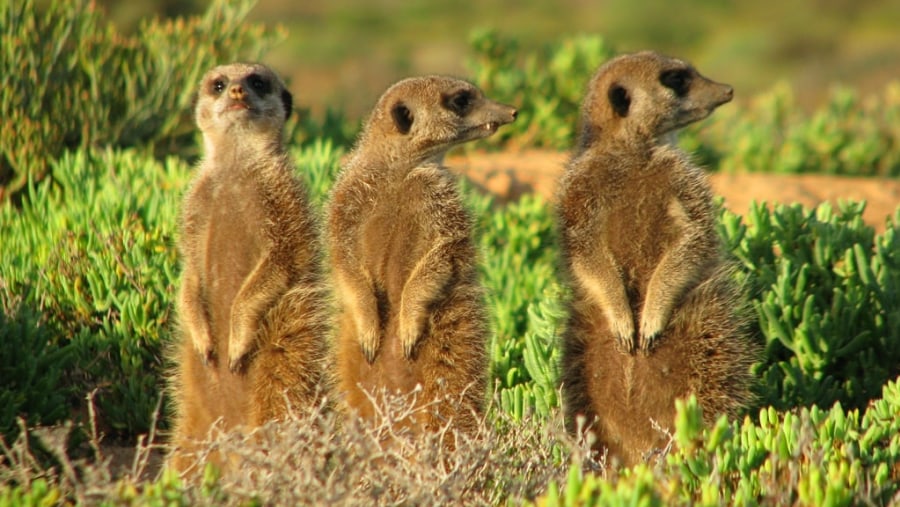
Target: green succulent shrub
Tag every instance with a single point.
(546, 85)
(810, 456)
(90, 252)
(518, 263)
(826, 290)
(848, 135)
(69, 79)
(31, 369)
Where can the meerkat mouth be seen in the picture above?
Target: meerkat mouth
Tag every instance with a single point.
(481, 131)
(239, 106)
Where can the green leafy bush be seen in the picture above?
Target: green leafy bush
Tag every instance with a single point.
(809, 456)
(333, 127)
(848, 135)
(545, 85)
(826, 291)
(317, 166)
(518, 263)
(69, 80)
(31, 370)
(91, 252)
(91, 255)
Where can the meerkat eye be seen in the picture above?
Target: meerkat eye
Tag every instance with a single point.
(218, 85)
(259, 84)
(678, 80)
(459, 102)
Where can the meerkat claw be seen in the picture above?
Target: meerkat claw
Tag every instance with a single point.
(650, 332)
(236, 364)
(647, 341)
(625, 343)
(623, 331)
(408, 341)
(369, 346)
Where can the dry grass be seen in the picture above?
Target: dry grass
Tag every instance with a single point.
(318, 458)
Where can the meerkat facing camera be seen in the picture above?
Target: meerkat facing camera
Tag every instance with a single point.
(252, 303)
(655, 314)
(403, 258)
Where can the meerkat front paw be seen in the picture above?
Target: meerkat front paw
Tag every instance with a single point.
(652, 326)
(410, 331)
(240, 345)
(369, 342)
(622, 326)
(203, 344)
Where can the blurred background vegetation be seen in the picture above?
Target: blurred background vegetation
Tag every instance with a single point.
(345, 52)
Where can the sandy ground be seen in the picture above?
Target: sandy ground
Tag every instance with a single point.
(509, 175)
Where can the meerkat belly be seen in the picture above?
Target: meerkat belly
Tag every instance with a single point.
(393, 243)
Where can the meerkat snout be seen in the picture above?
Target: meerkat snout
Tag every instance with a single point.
(507, 116)
(494, 115)
(237, 92)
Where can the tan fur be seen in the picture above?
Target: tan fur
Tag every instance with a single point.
(655, 315)
(403, 257)
(252, 305)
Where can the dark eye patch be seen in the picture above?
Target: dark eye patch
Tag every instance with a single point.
(459, 102)
(678, 80)
(619, 99)
(259, 84)
(403, 117)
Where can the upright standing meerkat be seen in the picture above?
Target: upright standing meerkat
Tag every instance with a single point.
(403, 257)
(655, 314)
(252, 305)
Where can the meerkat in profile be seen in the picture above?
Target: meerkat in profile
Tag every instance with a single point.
(655, 313)
(403, 257)
(252, 305)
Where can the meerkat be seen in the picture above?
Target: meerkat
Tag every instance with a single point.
(655, 314)
(412, 319)
(252, 303)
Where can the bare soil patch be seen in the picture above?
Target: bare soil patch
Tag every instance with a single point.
(509, 175)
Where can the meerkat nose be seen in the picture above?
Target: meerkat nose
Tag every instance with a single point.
(237, 92)
(515, 114)
(729, 92)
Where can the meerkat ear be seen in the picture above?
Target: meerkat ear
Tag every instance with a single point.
(403, 117)
(287, 100)
(619, 99)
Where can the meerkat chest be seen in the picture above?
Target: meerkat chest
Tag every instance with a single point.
(642, 222)
(397, 232)
(235, 239)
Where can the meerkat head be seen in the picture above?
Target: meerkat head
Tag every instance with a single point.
(646, 96)
(421, 118)
(241, 98)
